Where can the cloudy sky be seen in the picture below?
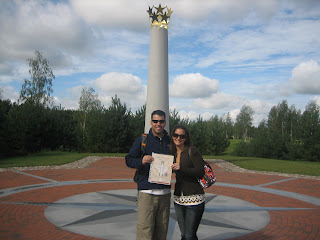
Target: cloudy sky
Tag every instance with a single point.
(222, 53)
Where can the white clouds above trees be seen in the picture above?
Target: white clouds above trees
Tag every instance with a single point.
(259, 51)
(119, 82)
(306, 78)
(193, 85)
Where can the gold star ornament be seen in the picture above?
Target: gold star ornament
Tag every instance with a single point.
(159, 16)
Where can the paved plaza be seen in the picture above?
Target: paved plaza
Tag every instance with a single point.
(99, 202)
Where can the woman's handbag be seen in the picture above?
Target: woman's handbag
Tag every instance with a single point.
(208, 178)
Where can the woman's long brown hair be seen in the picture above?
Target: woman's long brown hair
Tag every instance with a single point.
(187, 143)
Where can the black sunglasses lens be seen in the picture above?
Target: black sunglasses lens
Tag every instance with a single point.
(156, 121)
(177, 135)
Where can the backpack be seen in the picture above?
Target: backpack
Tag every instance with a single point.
(208, 178)
(143, 151)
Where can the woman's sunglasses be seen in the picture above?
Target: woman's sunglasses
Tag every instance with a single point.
(182, 136)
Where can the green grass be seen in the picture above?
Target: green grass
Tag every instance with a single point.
(232, 146)
(270, 165)
(48, 158)
(283, 166)
(273, 165)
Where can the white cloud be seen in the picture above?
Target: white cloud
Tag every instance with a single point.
(39, 24)
(119, 83)
(8, 93)
(126, 86)
(263, 46)
(132, 14)
(113, 14)
(206, 116)
(222, 11)
(69, 99)
(222, 103)
(261, 110)
(251, 46)
(234, 113)
(51, 28)
(217, 101)
(133, 100)
(316, 99)
(305, 78)
(193, 85)
(191, 115)
(259, 106)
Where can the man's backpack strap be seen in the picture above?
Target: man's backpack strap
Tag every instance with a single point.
(143, 144)
(143, 147)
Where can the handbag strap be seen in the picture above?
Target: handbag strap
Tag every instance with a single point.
(190, 153)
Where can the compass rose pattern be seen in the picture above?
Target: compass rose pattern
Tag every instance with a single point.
(113, 214)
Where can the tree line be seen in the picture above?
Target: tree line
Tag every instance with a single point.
(35, 124)
(31, 127)
(287, 133)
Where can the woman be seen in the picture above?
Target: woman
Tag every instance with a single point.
(189, 200)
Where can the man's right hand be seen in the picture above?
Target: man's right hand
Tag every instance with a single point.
(147, 159)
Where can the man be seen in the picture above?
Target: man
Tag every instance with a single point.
(153, 199)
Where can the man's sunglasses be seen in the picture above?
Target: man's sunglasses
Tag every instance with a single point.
(160, 121)
(182, 136)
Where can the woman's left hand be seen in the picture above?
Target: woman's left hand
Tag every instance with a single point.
(175, 166)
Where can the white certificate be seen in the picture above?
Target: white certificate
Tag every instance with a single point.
(160, 169)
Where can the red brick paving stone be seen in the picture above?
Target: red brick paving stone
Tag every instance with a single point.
(11, 179)
(35, 226)
(28, 221)
(310, 187)
(286, 225)
(106, 162)
(106, 168)
(281, 222)
(19, 221)
(261, 199)
(53, 194)
(250, 179)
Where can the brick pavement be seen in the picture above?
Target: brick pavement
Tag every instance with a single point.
(25, 221)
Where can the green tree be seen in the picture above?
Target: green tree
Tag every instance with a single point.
(59, 130)
(174, 119)
(120, 132)
(97, 136)
(259, 146)
(218, 141)
(200, 135)
(244, 121)
(283, 125)
(38, 89)
(25, 129)
(5, 106)
(277, 125)
(311, 132)
(138, 120)
(1, 92)
(228, 125)
(88, 101)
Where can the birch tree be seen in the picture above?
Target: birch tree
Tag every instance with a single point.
(38, 88)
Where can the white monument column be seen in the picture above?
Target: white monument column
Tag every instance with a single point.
(158, 75)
